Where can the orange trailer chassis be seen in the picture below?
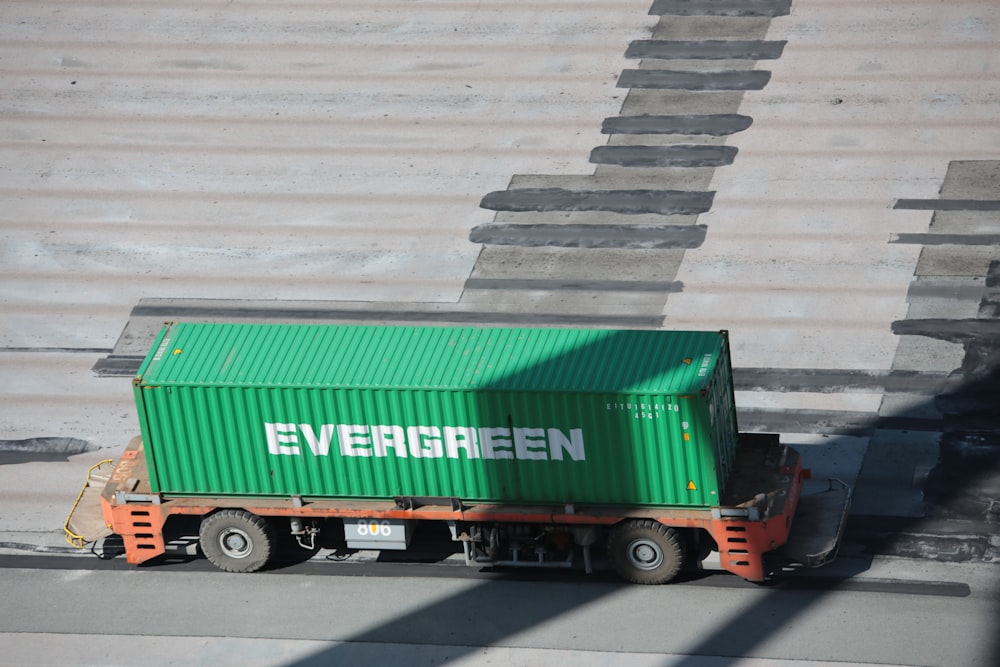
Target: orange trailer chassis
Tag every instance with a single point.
(743, 532)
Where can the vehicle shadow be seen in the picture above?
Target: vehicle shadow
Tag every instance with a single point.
(508, 604)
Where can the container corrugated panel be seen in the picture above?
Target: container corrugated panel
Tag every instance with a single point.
(483, 414)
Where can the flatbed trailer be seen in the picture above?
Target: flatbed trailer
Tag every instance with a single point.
(562, 441)
(742, 532)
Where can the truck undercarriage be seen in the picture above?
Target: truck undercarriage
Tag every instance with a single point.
(761, 512)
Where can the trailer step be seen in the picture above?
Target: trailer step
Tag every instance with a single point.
(819, 525)
(85, 522)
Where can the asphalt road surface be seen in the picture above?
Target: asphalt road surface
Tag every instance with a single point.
(898, 612)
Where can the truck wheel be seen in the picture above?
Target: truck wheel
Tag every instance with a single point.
(645, 551)
(236, 540)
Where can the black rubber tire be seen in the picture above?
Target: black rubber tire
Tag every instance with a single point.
(644, 551)
(236, 540)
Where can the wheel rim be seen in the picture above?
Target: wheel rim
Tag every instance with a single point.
(235, 543)
(644, 554)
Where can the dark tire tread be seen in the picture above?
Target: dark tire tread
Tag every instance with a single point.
(257, 529)
(667, 539)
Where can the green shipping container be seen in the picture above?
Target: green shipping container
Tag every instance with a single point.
(502, 415)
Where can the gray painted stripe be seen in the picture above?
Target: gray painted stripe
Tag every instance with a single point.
(946, 239)
(47, 446)
(117, 366)
(477, 318)
(823, 380)
(686, 155)
(989, 306)
(628, 202)
(834, 422)
(549, 284)
(70, 350)
(948, 204)
(955, 331)
(841, 584)
(942, 539)
(716, 125)
(706, 50)
(677, 80)
(720, 7)
(789, 380)
(127, 365)
(924, 290)
(635, 237)
(908, 424)
(917, 382)
(763, 420)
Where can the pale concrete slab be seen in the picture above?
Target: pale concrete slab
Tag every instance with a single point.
(956, 260)
(920, 353)
(606, 264)
(256, 152)
(966, 222)
(864, 107)
(801, 400)
(650, 101)
(828, 456)
(334, 152)
(901, 404)
(55, 394)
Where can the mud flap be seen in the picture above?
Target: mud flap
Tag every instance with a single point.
(818, 525)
